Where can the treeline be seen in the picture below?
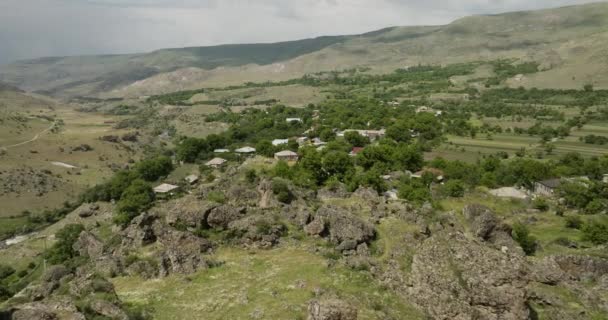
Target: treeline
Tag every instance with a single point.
(571, 97)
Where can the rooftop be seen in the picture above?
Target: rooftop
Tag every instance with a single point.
(286, 153)
(165, 188)
(216, 162)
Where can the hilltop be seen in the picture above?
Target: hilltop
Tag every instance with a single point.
(570, 43)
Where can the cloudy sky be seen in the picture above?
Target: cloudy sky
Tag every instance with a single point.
(38, 28)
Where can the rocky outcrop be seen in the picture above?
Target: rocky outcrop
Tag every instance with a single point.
(220, 217)
(266, 196)
(257, 230)
(484, 224)
(33, 314)
(181, 253)
(188, 212)
(108, 309)
(140, 231)
(454, 277)
(297, 214)
(331, 309)
(563, 268)
(88, 245)
(334, 192)
(340, 227)
(87, 210)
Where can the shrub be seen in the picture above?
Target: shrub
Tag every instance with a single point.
(596, 206)
(251, 176)
(574, 222)
(6, 271)
(454, 188)
(540, 204)
(216, 196)
(521, 234)
(595, 232)
(281, 190)
(136, 198)
(63, 250)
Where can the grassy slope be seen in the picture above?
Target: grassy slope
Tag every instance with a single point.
(570, 41)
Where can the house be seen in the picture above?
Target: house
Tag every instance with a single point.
(278, 142)
(165, 189)
(286, 155)
(424, 109)
(191, 179)
(302, 140)
(371, 134)
(355, 151)
(547, 187)
(221, 151)
(245, 150)
(290, 120)
(216, 162)
(605, 178)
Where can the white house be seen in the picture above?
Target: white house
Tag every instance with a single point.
(286, 155)
(245, 150)
(278, 142)
(221, 151)
(290, 120)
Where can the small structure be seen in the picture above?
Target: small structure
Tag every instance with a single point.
(605, 178)
(191, 179)
(391, 194)
(165, 189)
(278, 142)
(355, 151)
(216, 162)
(547, 187)
(438, 173)
(221, 151)
(245, 150)
(424, 109)
(371, 134)
(302, 140)
(286, 155)
(290, 120)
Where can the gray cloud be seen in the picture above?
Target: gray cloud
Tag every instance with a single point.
(38, 28)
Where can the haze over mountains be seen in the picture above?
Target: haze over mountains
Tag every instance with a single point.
(570, 42)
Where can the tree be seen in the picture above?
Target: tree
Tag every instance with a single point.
(414, 190)
(408, 157)
(280, 189)
(265, 148)
(355, 139)
(188, 149)
(152, 169)
(521, 234)
(574, 222)
(136, 198)
(541, 204)
(336, 163)
(282, 170)
(63, 249)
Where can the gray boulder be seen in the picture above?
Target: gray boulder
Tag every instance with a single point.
(258, 230)
(182, 253)
(88, 245)
(188, 211)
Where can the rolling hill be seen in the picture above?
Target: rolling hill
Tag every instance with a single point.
(570, 42)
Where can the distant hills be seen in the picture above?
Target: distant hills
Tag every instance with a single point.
(571, 43)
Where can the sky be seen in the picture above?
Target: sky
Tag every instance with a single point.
(42, 28)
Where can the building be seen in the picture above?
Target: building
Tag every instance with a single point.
(221, 151)
(605, 178)
(216, 162)
(318, 142)
(371, 134)
(278, 142)
(191, 179)
(424, 109)
(547, 187)
(245, 150)
(437, 173)
(290, 120)
(355, 151)
(165, 189)
(302, 140)
(286, 155)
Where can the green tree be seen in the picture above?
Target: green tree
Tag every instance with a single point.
(265, 148)
(152, 169)
(136, 198)
(454, 188)
(63, 250)
(595, 232)
(355, 139)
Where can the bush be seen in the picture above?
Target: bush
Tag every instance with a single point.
(216, 196)
(63, 250)
(596, 206)
(6, 271)
(595, 232)
(281, 190)
(453, 188)
(574, 222)
(521, 234)
(251, 176)
(136, 198)
(540, 204)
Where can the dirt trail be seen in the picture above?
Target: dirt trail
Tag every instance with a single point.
(31, 140)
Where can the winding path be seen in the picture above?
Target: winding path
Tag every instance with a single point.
(33, 139)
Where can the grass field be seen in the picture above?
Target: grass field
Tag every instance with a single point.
(272, 284)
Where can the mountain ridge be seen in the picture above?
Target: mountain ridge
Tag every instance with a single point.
(547, 36)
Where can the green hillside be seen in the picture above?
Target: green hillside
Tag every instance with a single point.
(569, 42)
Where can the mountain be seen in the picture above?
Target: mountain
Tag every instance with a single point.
(570, 42)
